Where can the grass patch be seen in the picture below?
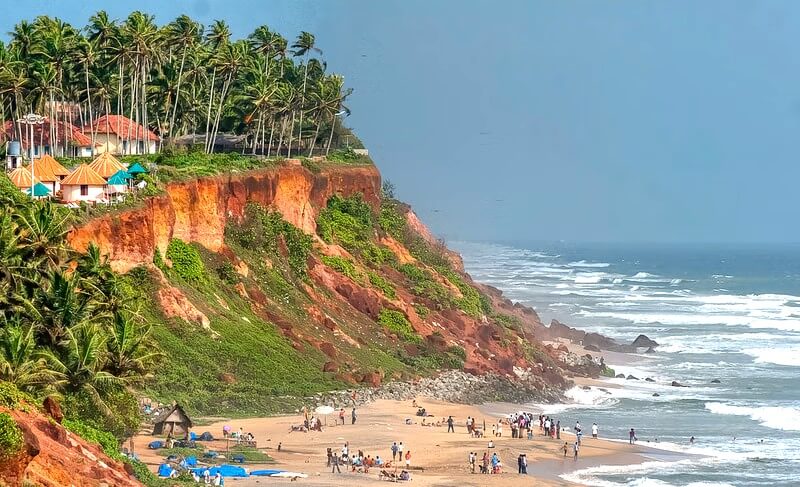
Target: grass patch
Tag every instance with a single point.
(379, 282)
(344, 266)
(397, 323)
(186, 261)
(10, 436)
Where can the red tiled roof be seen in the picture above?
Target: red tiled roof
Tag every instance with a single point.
(121, 126)
(42, 133)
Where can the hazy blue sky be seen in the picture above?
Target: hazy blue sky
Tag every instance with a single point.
(579, 120)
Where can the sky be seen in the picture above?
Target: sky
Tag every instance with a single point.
(583, 121)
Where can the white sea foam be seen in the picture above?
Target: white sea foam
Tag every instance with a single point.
(584, 279)
(617, 280)
(590, 476)
(774, 355)
(643, 275)
(776, 417)
(583, 263)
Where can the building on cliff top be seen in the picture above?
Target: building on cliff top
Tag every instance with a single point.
(119, 135)
(80, 145)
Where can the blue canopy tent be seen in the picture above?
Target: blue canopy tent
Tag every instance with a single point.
(136, 168)
(39, 191)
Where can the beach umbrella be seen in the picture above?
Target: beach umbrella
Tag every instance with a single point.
(119, 178)
(136, 168)
(324, 411)
(123, 174)
(39, 190)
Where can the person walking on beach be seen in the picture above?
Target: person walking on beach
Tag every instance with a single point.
(565, 448)
(594, 430)
(408, 459)
(575, 447)
(632, 437)
(400, 451)
(558, 430)
(341, 415)
(485, 463)
(330, 456)
(335, 464)
(524, 465)
(353, 416)
(394, 450)
(500, 428)
(450, 428)
(473, 457)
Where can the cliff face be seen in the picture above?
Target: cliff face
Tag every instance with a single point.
(375, 297)
(198, 210)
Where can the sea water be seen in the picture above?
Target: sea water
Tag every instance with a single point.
(717, 312)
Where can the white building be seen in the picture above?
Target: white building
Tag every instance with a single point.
(84, 184)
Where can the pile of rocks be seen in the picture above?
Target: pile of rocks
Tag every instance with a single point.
(452, 386)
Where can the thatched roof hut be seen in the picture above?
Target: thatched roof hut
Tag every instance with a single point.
(173, 421)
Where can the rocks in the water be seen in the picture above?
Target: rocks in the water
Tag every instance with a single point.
(655, 394)
(642, 341)
(631, 377)
(620, 376)
(650, 350)
(591, 348)
(716, 381)
(648, 379)
(586, 388)
(677, 384)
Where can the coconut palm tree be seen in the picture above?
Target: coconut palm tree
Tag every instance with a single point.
(22, 363)
(130, 353)
(303, 46)
(186, 32)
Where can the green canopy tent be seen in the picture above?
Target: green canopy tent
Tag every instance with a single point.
(136, 168)
(119, 178)
(39, 191)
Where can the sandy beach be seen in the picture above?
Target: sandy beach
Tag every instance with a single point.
(438, 458)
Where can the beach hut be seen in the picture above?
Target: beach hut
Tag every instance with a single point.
(121, 135)
(84, 184)
(106, 165)
(136, 169)
(21, 177)
(39, 191)
(173, 421)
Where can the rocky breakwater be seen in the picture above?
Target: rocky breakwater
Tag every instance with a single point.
(198, 210)
(452, 386)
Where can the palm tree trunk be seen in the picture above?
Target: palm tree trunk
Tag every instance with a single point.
(291, 135)
(177, 95)
(302, 105)
(330, 138)
(89, 97)
(314, 140)
(271, 133)
(225, 87)
(210, 102)
(280, 135)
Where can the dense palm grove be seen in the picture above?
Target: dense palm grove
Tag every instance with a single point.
(68, 325)
(176, 79)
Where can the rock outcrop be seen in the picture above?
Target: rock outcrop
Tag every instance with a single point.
(51, 456)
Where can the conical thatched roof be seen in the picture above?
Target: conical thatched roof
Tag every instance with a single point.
(21, 177)
(43, 172)
(53, 165)
(83, 174)
(106, 165)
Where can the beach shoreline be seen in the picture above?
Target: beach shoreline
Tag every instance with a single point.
(441, 455)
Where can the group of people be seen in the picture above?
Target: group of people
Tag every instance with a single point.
(488, 464)
(360, 462)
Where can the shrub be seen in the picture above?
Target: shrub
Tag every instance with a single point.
(92, 434)
(158, 261)
(263, 229)
(10, 436)
(311, 165)
(347, 221)
(124, 422)
(343, 266)
(392, 221)
(186, 261)
(425, 286)
(11, 397)
(383, 284)
(421, 310)
(471, 301)
(228, 274)
(397, 323)
(377, 255)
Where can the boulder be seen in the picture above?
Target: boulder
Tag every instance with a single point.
(643, 342)
(648, 379)
(631, 377)
(53, 409)
(591, 348)
(330, 366)
(655, 394)
(677, 384)
(716, 381)
(620, 376)
(650, 350)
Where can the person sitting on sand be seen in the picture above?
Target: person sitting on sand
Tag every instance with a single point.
(378, 460)
(490, 445)
(404, 475)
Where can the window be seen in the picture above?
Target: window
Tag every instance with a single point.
(84, 190)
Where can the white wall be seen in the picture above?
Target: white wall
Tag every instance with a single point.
(73, 193)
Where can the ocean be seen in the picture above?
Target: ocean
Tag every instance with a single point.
(718, 312)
